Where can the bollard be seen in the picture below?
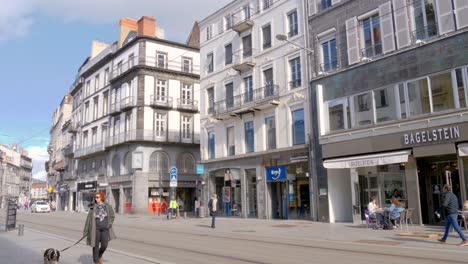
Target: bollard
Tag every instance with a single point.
(185, 215)
(20, 229)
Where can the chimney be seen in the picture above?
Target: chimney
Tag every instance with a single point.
(97, 47)
(21, 150)
(14, 146)
(147, 26)
(125, 26)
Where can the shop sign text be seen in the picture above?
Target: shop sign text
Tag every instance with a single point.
(434, 135)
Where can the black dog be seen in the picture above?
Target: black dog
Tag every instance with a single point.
(51, 256)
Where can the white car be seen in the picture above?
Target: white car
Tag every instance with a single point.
(40, 206)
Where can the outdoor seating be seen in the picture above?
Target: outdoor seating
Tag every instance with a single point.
(463, 218)
(371, 220)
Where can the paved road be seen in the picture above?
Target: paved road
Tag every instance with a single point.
(253, 241)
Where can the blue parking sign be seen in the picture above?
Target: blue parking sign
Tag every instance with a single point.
(174, 170)
(200, 169)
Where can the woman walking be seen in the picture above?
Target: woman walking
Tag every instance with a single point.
(98, 227)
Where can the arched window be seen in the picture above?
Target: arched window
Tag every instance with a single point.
(186, 163)
(159, 162)
(127, 169)
(116, 166)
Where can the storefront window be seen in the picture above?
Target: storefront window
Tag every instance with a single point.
(401, 91)
(442, 92)
(460, 88)
(363, 110)
(418, 97)
(298, 191)
(383, 182)
(385, 105)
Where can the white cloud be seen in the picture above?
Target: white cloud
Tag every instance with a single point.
(15, 18)
(39, 156)
(176, 17)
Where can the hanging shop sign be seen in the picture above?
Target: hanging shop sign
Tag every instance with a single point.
(431, 135)
(86, 186)
(276, 173)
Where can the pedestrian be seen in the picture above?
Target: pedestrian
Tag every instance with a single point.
(197, 206)
(98, 228)
(213, 206)
(450, 205)
(172, 208)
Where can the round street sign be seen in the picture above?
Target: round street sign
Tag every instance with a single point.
(173, 170)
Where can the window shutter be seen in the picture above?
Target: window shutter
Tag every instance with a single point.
(352, 40)
(312, 7)
(461, 13)
(400, 12)
(445, 16)
(386, 26)
(334, 2)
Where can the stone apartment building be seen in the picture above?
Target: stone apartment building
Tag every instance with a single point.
(255, 109)
(15, 174)
(389, 100)
(59, 167)
(135, 115)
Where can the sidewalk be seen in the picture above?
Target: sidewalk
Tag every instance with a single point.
(30, 248)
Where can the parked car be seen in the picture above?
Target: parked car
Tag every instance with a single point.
(40, 206)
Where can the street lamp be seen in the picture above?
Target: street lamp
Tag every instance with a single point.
(282, 37)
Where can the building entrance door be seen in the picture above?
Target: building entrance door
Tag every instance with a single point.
(279, 200)
(434, 173)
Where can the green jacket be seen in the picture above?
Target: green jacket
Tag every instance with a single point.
(90, 225)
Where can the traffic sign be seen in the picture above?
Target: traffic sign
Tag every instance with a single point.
(173, 170)
(200, 169)
(173, 184)
(174, 177)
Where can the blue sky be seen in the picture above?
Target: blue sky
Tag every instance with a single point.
(43, 43)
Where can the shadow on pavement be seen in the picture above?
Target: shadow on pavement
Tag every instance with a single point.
(414, 240)
(207, 226)
(358, 226)
(85, 259)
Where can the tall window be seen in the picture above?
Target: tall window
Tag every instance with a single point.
(127, 166)
(295, 66)
(324, 4)
(228, 22)
(329, 58)
(270, 132)
(119, 67)
(96, 83)
(95, 107)
(85, 139)
(292, 23)
(425, 19)
(94, 136)
(385, 104)
(267, 4)
(418, 96)
(209, 32)
(247, 46)
(187, 64)
(88, 88)
(268, 80)
(86, 112)
(131, 61)
(229, 95)
(159, 162)
(228, 54)
(186, 94)
(298, 127)
(160, 92)
(364, 109)
(210, 95)
(128, 122)
(116, 165)
(160, 124)
(105, 104)
(266, 34)
(104, 133)
(116, 125)
(209, 62)
(186, 163)
(371, 36)
(161, 60)
(186, 127)
(442, 92)
(460, 88)
(106, 76)
(211, 145)
(230, 142)
(248, 89)
(249, 136)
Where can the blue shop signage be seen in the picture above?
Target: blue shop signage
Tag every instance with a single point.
(276, 173)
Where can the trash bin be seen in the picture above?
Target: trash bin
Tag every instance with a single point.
(201, 212)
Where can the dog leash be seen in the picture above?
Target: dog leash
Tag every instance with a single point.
(73, 244)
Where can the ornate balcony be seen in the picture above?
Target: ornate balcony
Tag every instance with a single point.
(242, 21)
(127, 102)
(187, 105)
(247, 102)
(165, 136)
(243, 60)
(159, 101)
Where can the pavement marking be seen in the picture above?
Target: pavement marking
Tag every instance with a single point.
(420, 235)
(378, 242)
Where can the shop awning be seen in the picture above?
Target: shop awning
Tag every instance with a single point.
(463, 150)
(368, 160)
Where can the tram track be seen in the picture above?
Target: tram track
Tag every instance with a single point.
(218, 238)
